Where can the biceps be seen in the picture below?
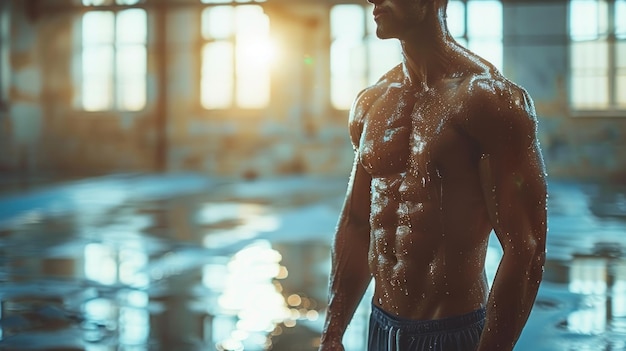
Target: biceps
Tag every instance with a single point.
(515, 194)
(526, 179)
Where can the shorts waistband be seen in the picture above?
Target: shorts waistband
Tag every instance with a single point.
(428, 326)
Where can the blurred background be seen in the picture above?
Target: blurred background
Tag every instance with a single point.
(171, 171)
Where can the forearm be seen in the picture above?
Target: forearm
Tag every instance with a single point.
(511, 299)
(349, 279)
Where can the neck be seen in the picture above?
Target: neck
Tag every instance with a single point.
(427, 52)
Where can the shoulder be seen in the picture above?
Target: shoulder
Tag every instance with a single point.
(370, 95)
(375, 91)
(494, 90)
(500, 111)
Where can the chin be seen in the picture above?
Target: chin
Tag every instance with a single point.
(381, 33)
(388, 31)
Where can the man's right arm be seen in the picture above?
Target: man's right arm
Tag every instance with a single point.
(350, 273)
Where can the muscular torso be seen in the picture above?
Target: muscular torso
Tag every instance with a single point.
(429, 224)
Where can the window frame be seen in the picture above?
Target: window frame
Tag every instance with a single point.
(234, 106)
(116, 104)
(611, 39)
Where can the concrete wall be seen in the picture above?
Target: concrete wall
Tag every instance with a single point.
(536, 57)
(41, 131)
(299, 132)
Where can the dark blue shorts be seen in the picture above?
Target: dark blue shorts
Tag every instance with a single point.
(391, 333)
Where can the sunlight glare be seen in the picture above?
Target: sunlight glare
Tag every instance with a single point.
(237, 58)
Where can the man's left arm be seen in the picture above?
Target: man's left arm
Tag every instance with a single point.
(513, 180)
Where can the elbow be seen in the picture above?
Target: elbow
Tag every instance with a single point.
(352, 232)
(358, 224)
(538, 263)
(536, 268)
(531, 255)
(537, 253)
(363, 226)
(534, 255)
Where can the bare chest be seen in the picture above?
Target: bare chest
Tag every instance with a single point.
(407, 133)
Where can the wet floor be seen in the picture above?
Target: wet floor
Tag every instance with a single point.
(183, 262)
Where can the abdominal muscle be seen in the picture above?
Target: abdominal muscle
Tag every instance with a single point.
(424, 268)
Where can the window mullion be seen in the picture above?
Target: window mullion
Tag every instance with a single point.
(367, 44)
(467, 24)
(115, 92)
(235, 40)
(235, 86)
(612, 64)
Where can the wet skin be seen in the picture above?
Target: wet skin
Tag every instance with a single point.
(428, 221)
(445, 151)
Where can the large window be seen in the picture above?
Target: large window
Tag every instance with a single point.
(236, 56)
(359, 58)
(111, 61)
(467, 24)
(598, 55)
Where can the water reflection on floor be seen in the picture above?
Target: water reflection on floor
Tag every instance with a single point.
(180, 262)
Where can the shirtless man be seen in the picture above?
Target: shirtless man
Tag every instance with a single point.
(445, 151)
